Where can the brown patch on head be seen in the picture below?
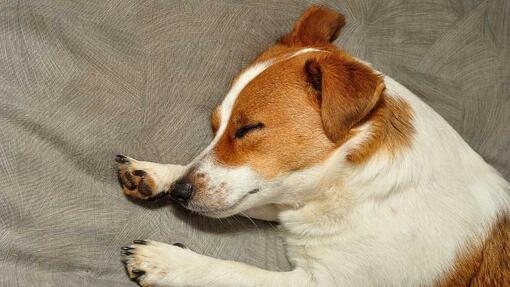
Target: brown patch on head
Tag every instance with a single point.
(291, 137)
(485, 263)
(307, 106)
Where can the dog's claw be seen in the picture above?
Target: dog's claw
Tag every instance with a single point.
(179, 245)
(141, 242)
(121, 159)
(138, 272)
(126, 180)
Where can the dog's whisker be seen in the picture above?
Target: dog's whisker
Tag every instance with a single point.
(273, 226)
(238, 221)
(251, 220)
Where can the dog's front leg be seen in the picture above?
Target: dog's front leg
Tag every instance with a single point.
(145, 180)
(157, 264)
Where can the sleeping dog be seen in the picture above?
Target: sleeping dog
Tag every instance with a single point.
(370, 186)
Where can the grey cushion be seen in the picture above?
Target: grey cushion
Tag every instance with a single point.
(81, 81)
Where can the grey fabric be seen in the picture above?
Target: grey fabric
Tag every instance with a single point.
(81, 81)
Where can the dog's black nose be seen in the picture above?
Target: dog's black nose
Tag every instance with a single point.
(182, 191)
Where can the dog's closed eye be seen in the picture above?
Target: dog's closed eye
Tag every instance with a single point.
(242, 131)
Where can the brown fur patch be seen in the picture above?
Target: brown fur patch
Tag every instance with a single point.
(485, 264)
(391, 129)
(317, 26)
(293, 136)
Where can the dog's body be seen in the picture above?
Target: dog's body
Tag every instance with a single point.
(371, 187)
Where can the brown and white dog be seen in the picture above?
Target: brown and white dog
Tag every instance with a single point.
(371, 187)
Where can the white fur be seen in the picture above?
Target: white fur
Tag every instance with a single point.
(392, 221)
(168, 265)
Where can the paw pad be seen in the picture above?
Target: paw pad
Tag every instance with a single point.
(135, 182)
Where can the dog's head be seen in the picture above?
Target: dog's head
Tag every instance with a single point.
(284, 116)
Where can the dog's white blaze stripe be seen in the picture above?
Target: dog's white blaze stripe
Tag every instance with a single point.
(228, 103)
(244, 79)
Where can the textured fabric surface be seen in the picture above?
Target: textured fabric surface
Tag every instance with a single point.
(81, 81)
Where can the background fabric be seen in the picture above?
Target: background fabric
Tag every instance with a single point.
(81, 81)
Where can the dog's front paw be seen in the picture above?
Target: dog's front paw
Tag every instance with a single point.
(136, 178)
(152, 263)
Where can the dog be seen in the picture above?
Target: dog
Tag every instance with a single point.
(370, 186)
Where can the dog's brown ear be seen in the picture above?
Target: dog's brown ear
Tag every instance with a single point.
(318, 25)
(347, 91)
